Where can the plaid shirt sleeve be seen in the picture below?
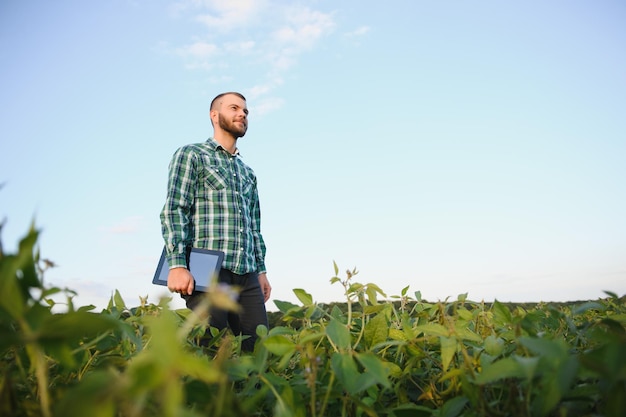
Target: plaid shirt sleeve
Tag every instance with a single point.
(176, 213)
(259, 244)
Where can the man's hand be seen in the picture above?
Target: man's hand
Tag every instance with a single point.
(265, 286)
(180, 280)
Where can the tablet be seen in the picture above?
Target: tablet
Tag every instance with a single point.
(203, 264)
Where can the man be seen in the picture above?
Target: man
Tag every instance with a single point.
(212, 203)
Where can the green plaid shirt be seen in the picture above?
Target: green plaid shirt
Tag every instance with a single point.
(212, 203)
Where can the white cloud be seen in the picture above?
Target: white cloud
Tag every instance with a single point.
(220, 79)
(265, 88)
(198, 50)
(229, 15)
(259, 90)
(265, 36)
(241, 47)
(219, 11)
(199, 55)
(264, 105)
(299, 32)
(303, 27)
(361, 31)
(268, 104)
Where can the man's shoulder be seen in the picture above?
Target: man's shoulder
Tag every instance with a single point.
(200, 147)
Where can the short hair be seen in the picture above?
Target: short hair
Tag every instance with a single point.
(214, 101)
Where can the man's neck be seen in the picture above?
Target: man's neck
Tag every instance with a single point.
(227, 141)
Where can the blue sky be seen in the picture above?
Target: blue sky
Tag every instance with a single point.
(448, 146)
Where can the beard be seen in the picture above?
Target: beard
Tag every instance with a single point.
(237, 131)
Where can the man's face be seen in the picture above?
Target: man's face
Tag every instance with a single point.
(233, 116)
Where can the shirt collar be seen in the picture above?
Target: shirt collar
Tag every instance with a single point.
(215, 145)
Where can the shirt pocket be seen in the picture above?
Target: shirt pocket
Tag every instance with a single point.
(213, 175)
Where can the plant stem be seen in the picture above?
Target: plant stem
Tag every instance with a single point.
(41, 371)
(328, 390)
(41, 367)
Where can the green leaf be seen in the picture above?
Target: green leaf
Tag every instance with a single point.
(371, 295)
(453, 373)
(448, 349)
(345, 370)
(407, 326)
(354, 288)
(166, 356)
(555, 385)
(591, 305)
(288, 404)
(11, 298)
(119, 301)
(75, 326)
(312, 311)
(369, 309)
(393, 369)
(28, 260)
(376, 289)
(432, 329)
(528, 366)
(498, 370)
(467, 334)
(453, 407)
(620, 318)
(375, 367)
(339, 334)
(50, 291)
(411, 410)
(376, 330)
(493, 345)
(305, 298)
(336, 313)
(566, 373)
(553, 349)
(395, 334)
(281, 330)
(261, 330)
(94, 396)
(501, 313)
(242, 368)
(465, 314)
(285, 306)
(313, 337)
(279, 345)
